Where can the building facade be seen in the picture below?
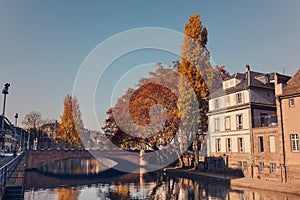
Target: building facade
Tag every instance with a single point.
(288, 104)
(239, 113)
(10, 138)
(267, 153)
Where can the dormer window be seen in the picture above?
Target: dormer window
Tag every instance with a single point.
(217, 104)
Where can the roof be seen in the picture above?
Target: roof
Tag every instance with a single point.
(293, 85)
(254, 82)
(236, 75)
(257, 80)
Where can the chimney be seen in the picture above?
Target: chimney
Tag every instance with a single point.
(247, 68)
(278, 86)
(267, 76)
(248, 74)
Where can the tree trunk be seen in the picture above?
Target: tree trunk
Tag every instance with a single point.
(180, 158)
(196, 152)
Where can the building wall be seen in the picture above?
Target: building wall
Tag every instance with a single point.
(291, 125)
(233, 120)
(271, 152)
(235, 157)
(263, 96)
(228, 100)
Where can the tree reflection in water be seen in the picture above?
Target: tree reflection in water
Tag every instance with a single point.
(96, 183)
(162, 187)
(79, 166)
(71, 193)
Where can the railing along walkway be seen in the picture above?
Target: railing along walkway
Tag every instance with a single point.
(7, 170)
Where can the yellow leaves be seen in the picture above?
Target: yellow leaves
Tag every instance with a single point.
(67, 128)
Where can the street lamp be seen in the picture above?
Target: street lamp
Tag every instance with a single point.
(16, 123)
(5, 92)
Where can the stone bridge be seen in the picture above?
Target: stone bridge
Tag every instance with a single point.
(128, 160)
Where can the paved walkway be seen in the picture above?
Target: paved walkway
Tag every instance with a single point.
(238, 182)
(199, 173)
(293, 188)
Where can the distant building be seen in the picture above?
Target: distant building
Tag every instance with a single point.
(237, 114)
(87, 139)
(288, 105)
(50, 129)
(97, 140)
(10, 138)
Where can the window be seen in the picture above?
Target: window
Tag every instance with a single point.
(260, 144)
(272, 167)
(226, 85)
(240, 144)
(272, 144)
(263, 119)
(217, 104)
(227, 123)
(218, 145)
(228, 141)
(261, 167)
(240, 165)
(227, 100)
(217, 124)
(239, 98)
(291, 103)
(295, 142)
(244, 196)
(245, 166)
(239, 121)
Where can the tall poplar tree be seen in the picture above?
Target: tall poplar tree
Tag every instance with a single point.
(67, 129)
(77, 119)
(195, 68)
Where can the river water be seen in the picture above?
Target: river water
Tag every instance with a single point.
(84, 179)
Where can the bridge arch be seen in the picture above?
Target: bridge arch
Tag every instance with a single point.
(37, 158)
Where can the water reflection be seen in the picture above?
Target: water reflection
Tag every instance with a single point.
(67, 193)
(162, 187)
(114, 185)
(80, 166)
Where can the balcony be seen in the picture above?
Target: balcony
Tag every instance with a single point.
(264, 121)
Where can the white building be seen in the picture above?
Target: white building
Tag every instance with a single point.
(244, 102)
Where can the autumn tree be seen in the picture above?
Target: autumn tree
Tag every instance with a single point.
(196, 68)
(135, 120)
(77, 119)
(130, 120)
(67, 130)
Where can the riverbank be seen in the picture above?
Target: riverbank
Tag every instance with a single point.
(236, 182)
(292, 188)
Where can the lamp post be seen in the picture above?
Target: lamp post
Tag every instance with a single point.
(28, 134)
(16, 123)
(5, 92)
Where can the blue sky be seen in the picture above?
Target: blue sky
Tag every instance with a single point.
(43, 43)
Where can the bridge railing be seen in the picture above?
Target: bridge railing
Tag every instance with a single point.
(7, 170)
